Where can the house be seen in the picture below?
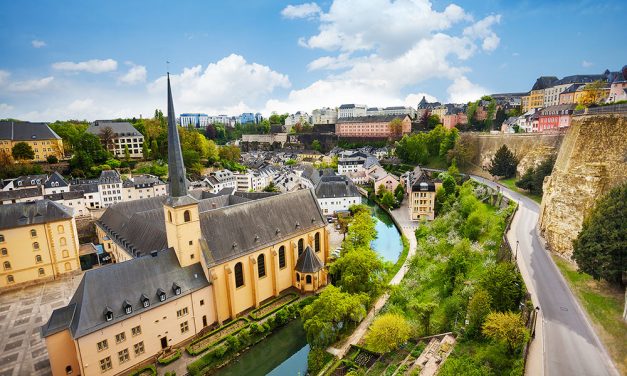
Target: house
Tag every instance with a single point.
(38, 136)
(142, 186)
(122, 137)
(381, 178)
(351, 162)
(421, 192)
(352, 110)
(188, 264)
(101, 192)
(555, 117)
(335, 193)
(38, 242)
(218, 180)
(372, 126)
(324, 116)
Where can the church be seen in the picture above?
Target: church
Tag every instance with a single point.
(183, 263)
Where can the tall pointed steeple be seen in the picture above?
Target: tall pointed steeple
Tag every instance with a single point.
(178, 182)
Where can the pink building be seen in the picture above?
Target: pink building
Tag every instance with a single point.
(618, 91)
(555, 117)
(370, 126)
(452, 120)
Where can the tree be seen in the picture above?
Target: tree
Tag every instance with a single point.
(601, 246)
(229, 153)
(145, 151)
(593, 93)
(271, 188)
(504, 285)
(315, 145)
(387, 333)
(22, 150)
(361, 231)
(507, 328)
(464, 151)
(52, 159)
(399, 193)
(503, 163)
(478, 308)
(358, 271)
(154, 149)
(106, 136)
(127, 154)
(387, 200)
(423, 311)
(395, 127)
(533, 179)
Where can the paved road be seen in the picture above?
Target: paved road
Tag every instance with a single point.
(570, 345)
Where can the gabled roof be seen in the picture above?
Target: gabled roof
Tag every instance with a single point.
(26, 131)
(544, 82)
(120, 128)
(31, 213)
(308, 262)
(55, 177)
(336, 186)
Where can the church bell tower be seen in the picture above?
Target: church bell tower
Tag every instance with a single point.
(182, 218)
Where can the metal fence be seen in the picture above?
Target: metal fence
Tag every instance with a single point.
(611, 109)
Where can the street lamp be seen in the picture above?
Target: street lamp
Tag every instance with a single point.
(516, 255)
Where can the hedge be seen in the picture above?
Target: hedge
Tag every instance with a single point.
(254, 316)
(169, 359)
(192, 352)
(151, 368)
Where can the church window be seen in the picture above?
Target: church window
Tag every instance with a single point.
(282, 257)
(261, 265)
(187, 216)
(301, 246)
(35, 245)
(297, 277)
(317, 242)
(65, 253)
(62, 241)
(41, 272)
(7, 265)
(60, 229)
(239, 275)
(308, 280)
(33, 233)
(38, 259)
(169, 216)
(67, 266)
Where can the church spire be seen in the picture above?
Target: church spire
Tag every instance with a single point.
(176, 168)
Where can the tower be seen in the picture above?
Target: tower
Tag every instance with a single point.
(182, 218)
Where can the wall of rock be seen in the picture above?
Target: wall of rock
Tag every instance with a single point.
(591, 161)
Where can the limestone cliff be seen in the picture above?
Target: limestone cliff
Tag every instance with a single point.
(591, 161)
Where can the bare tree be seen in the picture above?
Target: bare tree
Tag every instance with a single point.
(106, 136)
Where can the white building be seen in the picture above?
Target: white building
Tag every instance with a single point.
(218, 180)
(298, 117)
(324, 116)
(336, 193)
(125, 136)
(195, 120)
(142, 186)
(352, 110)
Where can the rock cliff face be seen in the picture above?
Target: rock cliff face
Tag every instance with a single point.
(530, 148)
(591, 161)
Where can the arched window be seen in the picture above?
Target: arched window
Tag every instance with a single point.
(10, 279)
(297, 277)
(41, 271)
(308, 280)
(38, 259)
(65, 253)
(301, 246)
(317, 242)
(170, 216)
(33, 233)
(1, 238)
(4, 252)
(62, 241)
(35, 245)
(68, 370)
(60, 229)
(187, 216)
(67, 266)
(6, 265)
(282, 257)
(261, 265)
(239, 275)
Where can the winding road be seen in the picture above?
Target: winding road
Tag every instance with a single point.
(569, 344)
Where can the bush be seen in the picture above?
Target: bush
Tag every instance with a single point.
(52, 159)
(171, 358)
(317, 359)
(153, 370)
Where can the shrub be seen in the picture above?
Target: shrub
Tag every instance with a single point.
(151, 368)
(52, 159)
(170, 358)
(317, 359)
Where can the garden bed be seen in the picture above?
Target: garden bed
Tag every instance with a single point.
(273, 306)
(145, 371)
(204, 343)
(166, 359)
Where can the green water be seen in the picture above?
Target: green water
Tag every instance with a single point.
(284, 353)
(388, 242)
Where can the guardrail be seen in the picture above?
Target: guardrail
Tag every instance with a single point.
(611, 109)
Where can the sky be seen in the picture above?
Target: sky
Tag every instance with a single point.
(87, 59)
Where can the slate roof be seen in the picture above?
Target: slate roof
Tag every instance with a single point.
(370, 119)
(55, 177)
(111, 286)
(29, 180)
(31, 213)
(308, 262)
(580, 78)
(109, 177)
(20, 194)
(421, 182)
(544, 82)
(120, 128)
(349, 105)
(72, 195)
(26, 131)
(335, 186)
(84, 187)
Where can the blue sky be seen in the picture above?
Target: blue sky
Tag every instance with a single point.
(104, 59)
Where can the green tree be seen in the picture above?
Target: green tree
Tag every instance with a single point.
(358, 271)
(154, 149)
(601, 246)
(395, 127)
(478, 308)
(423, 311)
(22, 151)
(315, 145)
(504, 285)
(503, 163)
(533, 179)
(127, 154)
(387, 333)
(464, 151)
(52, 159)
(388, 200)
(145, 151)
(399, 193)
(361, 231)
(271, 188)
(229, 153)
(507, 328)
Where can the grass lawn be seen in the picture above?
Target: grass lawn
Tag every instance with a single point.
(509, 183)
(604, 305)
(437, 163)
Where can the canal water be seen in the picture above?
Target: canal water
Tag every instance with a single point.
(284, 353)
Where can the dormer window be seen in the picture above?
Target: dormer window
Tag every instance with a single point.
(176, 288)
(128, 308)
(108, 314)
(161, 295)
(145, 301)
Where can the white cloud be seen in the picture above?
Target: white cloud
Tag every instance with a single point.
(4, 108)
(136, 74)
(4, 76)
(413, 99)
(463, 91)
(91, 66)
(80, 105)
(586, 64)
(29, 85)
(307, 10)
(38, 43)
(483, 30)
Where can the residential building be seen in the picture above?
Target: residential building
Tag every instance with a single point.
(191, 264)
(297, 118)
(219, 180)
(552, 93)
(351, 162)
(440, 111)
(123, 137)
(399, 110)
(38, 136)
(568, 95)
(194, 120)
(142, 186)
(38, 241)
(381, 178)
(452, 120)
(371, 126)
(525, 103)
(335, 193)
(421, 192)
(618, 91)
(425, 106)
(536, 96)
(555, 117)
(352, 110)
(247, 118)
(324, 115)
(101, 192)
(254, 181)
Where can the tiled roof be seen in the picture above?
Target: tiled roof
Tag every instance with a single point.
(26, 131)
(308, 262)
(30, 213)
(120, 128)
(370, 119)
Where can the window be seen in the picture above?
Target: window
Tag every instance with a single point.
(317, 242)
(41, 272)
(182, 312)
(261, 265)
(10, 279)
(35, 245)
(103, 345)
(169, 216)
(282, 257)
(202, 302)
(123, 356)
(239, 275)
(38, 259)
(4, 252)
(308, 280)
(136, 330)
(62, 241)
(68, 370)
(67, 266)
(184, 327)
(1, 238)
(105, 364)
(297, 277)
(187, 216)
(301, 246)
(33, 233)
(60, 229)
(108, 314)
(145, 301)
(65, 253)
(139, 348)
(120, 337)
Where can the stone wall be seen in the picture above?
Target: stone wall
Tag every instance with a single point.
(591, 161)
